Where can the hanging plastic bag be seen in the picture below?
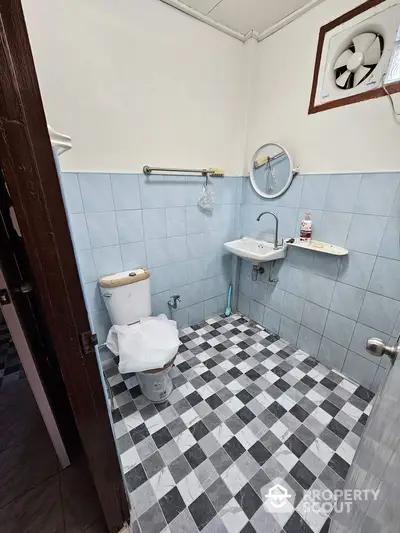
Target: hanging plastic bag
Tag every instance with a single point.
(206, 200)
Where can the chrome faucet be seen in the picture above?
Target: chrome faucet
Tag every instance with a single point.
(276, 245)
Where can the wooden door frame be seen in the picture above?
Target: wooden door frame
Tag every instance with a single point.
(27, 161)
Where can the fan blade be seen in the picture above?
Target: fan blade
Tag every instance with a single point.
(373, 53)
(363, 42)
(343, 59)
(359, 74)
(342, 79)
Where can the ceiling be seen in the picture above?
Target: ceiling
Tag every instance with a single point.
(243, 16)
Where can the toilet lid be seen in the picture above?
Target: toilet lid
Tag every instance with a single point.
(153, 330)
(146, 345)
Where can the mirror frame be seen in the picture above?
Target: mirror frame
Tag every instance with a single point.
(253, 182)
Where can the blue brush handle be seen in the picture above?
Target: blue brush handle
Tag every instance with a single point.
(228, 309)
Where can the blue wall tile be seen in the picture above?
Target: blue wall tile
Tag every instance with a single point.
(385, 278)
(331, 354)
(361, 370)
(390, 245)
(345, 211)
(299, 258)
(289, 329)
(361, 335)
(93, 297)
(291, 198)
(157, 252)
(356, 269)
(325, 265)
(102, 229)
(196, 313)
(107, 260)
(376, 194)
(125, 221)
(342, 192)
(244, 305)
(256, 312)
(379, 312)
(86, 265)
(154, 223)
(195, 220)
(272, 320)
(274, 297)
(195, 245)
(334, 227)
(183, 247)
(314, 317)
(366, 232)
(176, 221)
(194, 270)
(130, 226)
(339, 329)
(160, 279)
(133, 255)
(178, 275)
(152, 191)
(96, 192)
(181, 316)
(159, 303)
(379, 379)
(177, 249)
(174, 191)
(71, 192)
(395, 212)
(293, 307)
(126, 191)
(315, 188)
(320, 290)
(297, 282)
(211, 307)
(79, 231)
(309, 341)
(347, 300)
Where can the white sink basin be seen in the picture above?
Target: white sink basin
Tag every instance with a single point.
(256, 251)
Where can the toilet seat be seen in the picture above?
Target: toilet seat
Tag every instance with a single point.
(148, 345)
(137, 327)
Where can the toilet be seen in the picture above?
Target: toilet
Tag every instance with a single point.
(146, 345)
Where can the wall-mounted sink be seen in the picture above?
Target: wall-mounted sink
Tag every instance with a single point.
(256, 251)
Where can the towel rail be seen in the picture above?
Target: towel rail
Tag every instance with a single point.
(202, 171)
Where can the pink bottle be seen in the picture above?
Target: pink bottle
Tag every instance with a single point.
(306, 229)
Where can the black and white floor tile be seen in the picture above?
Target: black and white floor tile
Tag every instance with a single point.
(246, 409)
(10, 366)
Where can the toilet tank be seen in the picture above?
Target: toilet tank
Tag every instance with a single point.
(127, 296)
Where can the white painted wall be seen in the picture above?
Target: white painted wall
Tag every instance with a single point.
(137, 82)
(360, 137)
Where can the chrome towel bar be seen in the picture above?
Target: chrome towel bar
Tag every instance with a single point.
(214, 172)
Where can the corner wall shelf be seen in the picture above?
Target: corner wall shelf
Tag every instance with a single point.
(318, 246)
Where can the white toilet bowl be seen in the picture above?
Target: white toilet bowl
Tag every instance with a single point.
(147, 347)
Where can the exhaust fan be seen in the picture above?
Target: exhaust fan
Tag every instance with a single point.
(358, 61)
(353, 55)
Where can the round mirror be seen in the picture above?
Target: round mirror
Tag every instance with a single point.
(271, 171)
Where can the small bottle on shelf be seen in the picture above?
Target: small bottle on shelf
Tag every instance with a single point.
(306, 229)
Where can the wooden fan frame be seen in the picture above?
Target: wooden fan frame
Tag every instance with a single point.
(367, 95)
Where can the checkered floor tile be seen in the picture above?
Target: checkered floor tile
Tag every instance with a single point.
(10, 367)
(246, 409)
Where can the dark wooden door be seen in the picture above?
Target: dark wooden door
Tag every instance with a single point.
(27, 164)
(18, 274)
